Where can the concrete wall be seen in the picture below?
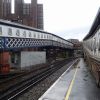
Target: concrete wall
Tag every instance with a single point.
(29, 58)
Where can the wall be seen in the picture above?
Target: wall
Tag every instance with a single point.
(32, 58)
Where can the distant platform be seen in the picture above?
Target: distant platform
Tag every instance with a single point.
(74, 84)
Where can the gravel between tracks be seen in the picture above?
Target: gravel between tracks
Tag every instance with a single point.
(35, 92)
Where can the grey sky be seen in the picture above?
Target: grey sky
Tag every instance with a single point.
(69, 18)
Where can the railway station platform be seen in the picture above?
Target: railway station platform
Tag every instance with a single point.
(76, 83)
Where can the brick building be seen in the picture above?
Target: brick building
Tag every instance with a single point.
(5, 9)
(40, 16)
(24, 13)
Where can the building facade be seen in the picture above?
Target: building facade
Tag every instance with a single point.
(24, 13)
(1, 7)
(40, 16)
(5, 9)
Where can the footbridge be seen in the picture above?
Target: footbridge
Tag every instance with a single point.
(18, 43)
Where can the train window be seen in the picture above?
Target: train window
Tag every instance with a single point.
(47, 36)
(0, 30)
(61, 41)
(38, 36)
(94, 46)
(34, 35)
(64, 42)
(17, 32)
(41, 36)
(99, 44)
(10, 31)
(55, 39)
(99, 33)
(91, 44)
(30, 35)
(51, 37)
(58, 39)
(44, 36)
(24, 34)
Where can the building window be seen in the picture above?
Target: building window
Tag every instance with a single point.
(26, 9)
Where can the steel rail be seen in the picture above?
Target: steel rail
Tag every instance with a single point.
(31, 82)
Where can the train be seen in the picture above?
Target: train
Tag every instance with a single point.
(91, 48)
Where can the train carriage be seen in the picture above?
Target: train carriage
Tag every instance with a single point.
(91, 47)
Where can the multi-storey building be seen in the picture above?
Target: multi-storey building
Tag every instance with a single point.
(1, 7)
(24, 13)
(5, 9)
(40, 16)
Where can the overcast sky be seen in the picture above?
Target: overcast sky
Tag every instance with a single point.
(69, 18)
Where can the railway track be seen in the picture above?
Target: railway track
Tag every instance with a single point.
(9, 77)
(19, 75)
(22, 86)
(10, 82)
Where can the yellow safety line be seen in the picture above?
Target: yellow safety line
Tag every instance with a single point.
(71, 85)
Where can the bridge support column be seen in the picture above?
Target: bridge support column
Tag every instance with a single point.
(4, 62)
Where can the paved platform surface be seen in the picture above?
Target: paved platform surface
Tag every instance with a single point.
(75, 84)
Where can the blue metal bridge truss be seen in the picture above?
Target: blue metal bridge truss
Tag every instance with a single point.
(15, 36)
